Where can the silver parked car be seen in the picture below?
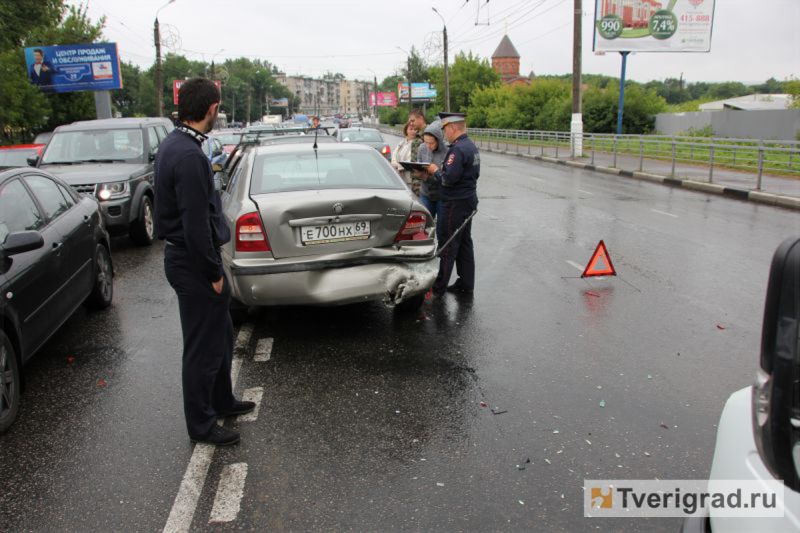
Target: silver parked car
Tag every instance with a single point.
(326, 225)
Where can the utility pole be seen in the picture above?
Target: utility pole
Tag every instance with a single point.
(446, 73)
(159, 82)
(576, 126)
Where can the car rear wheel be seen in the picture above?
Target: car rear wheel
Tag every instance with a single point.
(142, 230)
(9, 383)
(411, 304)
(103, 290)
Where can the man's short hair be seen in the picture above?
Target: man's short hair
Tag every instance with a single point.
(38, 51)
(418, 113)
(195, 97)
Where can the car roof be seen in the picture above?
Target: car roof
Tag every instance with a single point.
(6, 175)
(112, 123)
(298, 148)
(298, 139)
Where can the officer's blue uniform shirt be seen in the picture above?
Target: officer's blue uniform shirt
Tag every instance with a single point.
(459, 173)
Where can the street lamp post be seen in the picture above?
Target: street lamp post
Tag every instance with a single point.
(375, 91)
(446, 73)
(159, 82)
(408, 76)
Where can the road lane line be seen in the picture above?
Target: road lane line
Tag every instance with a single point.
(540, 180)
(252, 395)
(180, 518)
(263, 350)
(664, 213)
(576, 265)
(585, 192)
(230, 490)
(243, 339)
(185, 504)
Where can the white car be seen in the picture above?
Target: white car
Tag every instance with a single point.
(759, 432)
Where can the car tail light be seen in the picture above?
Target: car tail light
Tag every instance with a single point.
(250, 234)
(414, 228)
(386, 151)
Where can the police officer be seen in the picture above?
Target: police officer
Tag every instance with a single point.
(188, 217)
(458, 177)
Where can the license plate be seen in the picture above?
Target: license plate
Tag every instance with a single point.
(344, 231)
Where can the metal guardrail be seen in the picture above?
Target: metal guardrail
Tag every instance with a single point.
(697, 157)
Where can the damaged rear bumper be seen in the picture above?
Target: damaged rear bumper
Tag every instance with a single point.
(333, 281)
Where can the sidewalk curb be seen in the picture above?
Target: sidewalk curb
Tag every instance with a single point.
(760, 197)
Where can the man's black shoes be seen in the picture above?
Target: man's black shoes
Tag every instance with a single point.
(457, 287)
(218, 436)
(238, 408)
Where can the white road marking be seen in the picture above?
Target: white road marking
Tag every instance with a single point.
(576, 265)
(236, 366)
(664, 213)
(243, 339)
(536, 179)
(230, 490)
(263, 350)
(252, 395)
(185, 504)
(585, 192)
(180, 518)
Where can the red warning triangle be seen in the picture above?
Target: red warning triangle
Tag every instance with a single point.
(600, 264)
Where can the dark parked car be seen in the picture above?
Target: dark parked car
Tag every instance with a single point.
(112, 160)
(54, 256)
(368, 136)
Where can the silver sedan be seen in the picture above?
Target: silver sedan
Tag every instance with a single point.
(326, 225)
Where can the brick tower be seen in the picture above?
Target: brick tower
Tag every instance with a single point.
(505, 61)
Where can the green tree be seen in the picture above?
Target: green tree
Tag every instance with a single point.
(126, 100)
(21, 18)
(467, 74)
(792, 88)
(416, 69)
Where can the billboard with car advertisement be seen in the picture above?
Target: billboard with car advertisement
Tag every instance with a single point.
(419, 91)
(653, 25)
(176, 87)
(74, 67)
(384, 100)
(279, 102)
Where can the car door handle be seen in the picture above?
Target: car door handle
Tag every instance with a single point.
(57, 246)
(86, 218)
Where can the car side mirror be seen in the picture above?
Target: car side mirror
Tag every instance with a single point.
(776, 402)
(32, 160)
(21, 242)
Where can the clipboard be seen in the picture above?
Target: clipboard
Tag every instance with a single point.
(413, 165)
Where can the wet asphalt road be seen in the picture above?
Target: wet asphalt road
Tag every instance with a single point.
(373, 421)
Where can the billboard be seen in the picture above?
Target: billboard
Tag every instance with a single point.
(419, 91)
(384, 99)
(653, 25)
(74, 67)
(176, 86)
(279, 102)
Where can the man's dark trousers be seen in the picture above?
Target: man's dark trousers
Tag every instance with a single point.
(460, 252)
(207, 354)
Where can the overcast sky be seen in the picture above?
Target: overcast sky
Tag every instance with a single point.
(752, 39)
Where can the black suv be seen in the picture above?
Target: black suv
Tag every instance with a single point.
(112, 160)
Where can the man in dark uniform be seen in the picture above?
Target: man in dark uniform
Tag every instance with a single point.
(458, 178)
(189, 218)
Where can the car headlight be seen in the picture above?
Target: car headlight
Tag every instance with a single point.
(112, 191)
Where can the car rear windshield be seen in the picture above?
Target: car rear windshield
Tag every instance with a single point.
(361, 136)
(303, 171)
(16, 157)
(95, 145)
(229, 138)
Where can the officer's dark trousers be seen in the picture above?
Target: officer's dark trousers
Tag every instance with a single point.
(460, 252)
(207, 341)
